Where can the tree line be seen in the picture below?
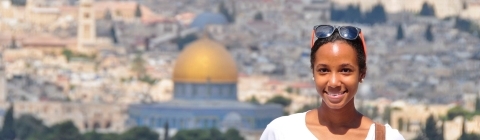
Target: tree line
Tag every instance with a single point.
(352, 14)
(28, 127)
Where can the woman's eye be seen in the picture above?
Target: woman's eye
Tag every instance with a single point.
(346, 70)
(322, 70)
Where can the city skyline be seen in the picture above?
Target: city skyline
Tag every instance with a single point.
(61, 53)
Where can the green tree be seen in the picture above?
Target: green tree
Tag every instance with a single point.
(111, 136)
(477, 104)
(306, 108)
(138, 11)
(68, 54)
(387, 114)
(374, 112)
(457, 111)
(108, 15)
(230, 16)
(233, 134)
(139, 133)
(207, 134)
(101, 136)
(28, 127)
(253, 100)
(64, 131)
(8, 129)
(113, 34)
(377, 15)
(429, 34)
(280, 100)
(198, 134)
(147, 79)
(166, 136)
(431, 130)
(92, 136)
(289, 90)
(258, 17)
(138, 66)
(400, 34)
(363, 110)
(427, 10)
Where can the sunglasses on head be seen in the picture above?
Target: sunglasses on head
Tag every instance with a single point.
(346, 32)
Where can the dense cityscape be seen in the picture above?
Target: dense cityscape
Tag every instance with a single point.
(223, 69)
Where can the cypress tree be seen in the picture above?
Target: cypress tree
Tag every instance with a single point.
(429, 34)
(8, 130)
(431, 130)
(138, 11)
(400, 34)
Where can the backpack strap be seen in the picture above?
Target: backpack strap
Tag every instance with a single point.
(379, 131)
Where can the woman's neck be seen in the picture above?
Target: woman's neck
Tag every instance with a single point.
(347, 116)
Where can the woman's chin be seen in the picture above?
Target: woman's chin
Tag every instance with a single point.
(335, 106)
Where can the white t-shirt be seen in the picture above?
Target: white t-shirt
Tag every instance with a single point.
(293, 127)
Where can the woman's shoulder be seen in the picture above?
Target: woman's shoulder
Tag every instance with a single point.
(392, 134)
(288, 120)
(290, 123)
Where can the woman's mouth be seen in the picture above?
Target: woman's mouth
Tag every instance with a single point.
(336, 94)
(335, 97)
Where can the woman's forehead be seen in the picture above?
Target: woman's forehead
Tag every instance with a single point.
(336, 51)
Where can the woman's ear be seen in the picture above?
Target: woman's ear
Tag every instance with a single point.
(363, 74)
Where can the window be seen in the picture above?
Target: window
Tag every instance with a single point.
(85, 124)
(86, 31)
(96, 125)
(108, 125)
(205, 123)
(151, 122)
(86, 15)
(214, 122)
(159, 122)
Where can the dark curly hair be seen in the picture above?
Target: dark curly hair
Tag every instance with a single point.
(356, 44)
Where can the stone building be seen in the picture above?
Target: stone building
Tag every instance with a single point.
(86, 116)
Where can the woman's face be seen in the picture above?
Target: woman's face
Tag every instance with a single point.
(336, 73)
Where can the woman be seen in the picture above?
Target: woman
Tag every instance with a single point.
(338, 63)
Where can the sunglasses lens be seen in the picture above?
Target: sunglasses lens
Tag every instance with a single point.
(348, 32)
(324, 31)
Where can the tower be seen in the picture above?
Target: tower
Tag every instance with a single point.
(86, 25)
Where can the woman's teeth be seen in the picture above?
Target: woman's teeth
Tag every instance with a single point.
(336, 94)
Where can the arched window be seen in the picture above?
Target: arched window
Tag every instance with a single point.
(108, 124)
(214, 122)
(205, 123)
(96, 125)
(151, 122)
(85, 124)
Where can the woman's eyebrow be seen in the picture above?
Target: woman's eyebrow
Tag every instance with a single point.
(321, 65)
(346, 65)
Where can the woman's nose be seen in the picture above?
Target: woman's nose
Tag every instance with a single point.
(333, 81)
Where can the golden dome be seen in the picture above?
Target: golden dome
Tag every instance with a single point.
(205, 60)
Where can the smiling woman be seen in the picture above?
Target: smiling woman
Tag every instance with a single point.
(338, 64)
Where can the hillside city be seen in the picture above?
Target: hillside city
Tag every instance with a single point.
(93, 65)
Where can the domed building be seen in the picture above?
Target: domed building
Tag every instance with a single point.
(205, 95)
